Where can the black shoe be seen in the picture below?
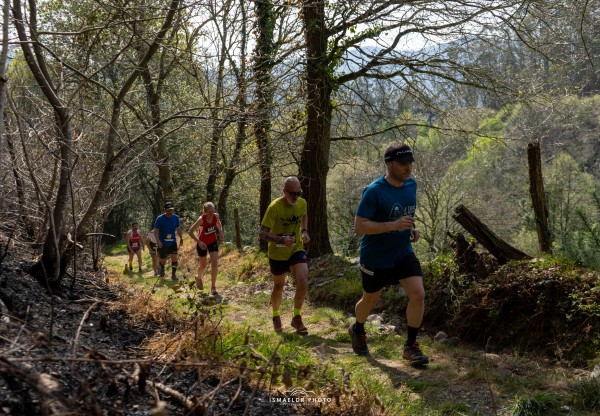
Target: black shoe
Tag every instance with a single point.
(359, 342)
(414, 355)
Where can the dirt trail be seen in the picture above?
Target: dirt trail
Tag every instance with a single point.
(458, 378)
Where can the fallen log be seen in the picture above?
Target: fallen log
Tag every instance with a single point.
(499, 248)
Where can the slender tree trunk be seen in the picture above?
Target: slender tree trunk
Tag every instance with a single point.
(263, 67)
(18, 180)
(3, 66)
(165, 181)
(314, 164)
(217, 124)
(538, 197)
(242, 118)
(231, 169)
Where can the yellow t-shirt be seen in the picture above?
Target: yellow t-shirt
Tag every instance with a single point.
(284, 219)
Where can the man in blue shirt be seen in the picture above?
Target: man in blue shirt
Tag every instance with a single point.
(165, 227)
(385, 217)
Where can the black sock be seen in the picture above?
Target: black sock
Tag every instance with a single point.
(412, 335)
(359, 328)
(174, 267)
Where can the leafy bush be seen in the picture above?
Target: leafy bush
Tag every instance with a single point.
(586, 394)
(543, 305)
(542, 404)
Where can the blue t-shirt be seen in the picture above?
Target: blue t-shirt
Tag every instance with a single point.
(167, 229)
(383, 202)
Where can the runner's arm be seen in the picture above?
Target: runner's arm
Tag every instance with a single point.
(158, 243)
(366, 226)
(220, 227)
(265, 234)
(304, 230)
(195, 226)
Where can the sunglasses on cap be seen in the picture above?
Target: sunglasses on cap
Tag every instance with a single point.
(294, 194)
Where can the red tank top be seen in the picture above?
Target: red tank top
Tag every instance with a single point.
(134, 239)
(208, 233)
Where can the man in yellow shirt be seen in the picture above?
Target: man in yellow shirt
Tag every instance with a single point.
(284, 226)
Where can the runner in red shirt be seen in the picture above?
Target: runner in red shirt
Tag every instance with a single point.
(208, 225)
(135, 245)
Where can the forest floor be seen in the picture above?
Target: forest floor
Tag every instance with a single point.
(109, 346)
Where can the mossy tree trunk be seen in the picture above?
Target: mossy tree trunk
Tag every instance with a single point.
(538, 197)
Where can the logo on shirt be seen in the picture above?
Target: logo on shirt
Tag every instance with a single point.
(400, 211)
(290, 221)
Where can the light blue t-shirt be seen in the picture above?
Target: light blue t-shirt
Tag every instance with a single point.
(383, 202)
(167, 229)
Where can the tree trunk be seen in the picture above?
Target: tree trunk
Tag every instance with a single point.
(218, 125)
(499, 248)
(538, 197)
(153, 94)
(263, 66)
(3, 66)
(18, 184)
(238, 235)
(231, 171)
(314, 163)
(241, 100)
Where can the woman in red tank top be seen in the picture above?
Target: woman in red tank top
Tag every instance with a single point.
(208, 225)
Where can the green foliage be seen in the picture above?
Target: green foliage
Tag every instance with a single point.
(455, 409)
(417, 386)
(541, 404)
(115, 249)
(345, 290)
(251, 262)
(393, 299)
(494, 126)
(520, 303)
(439, 267)
(586, 394)
(581, 240)
(344, 190)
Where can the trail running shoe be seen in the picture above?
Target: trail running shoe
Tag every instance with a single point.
(359, 342)
(414, 355)
(277, 324)
(298, 325)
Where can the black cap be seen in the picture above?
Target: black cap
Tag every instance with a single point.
(403, 154)
(169, 205)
